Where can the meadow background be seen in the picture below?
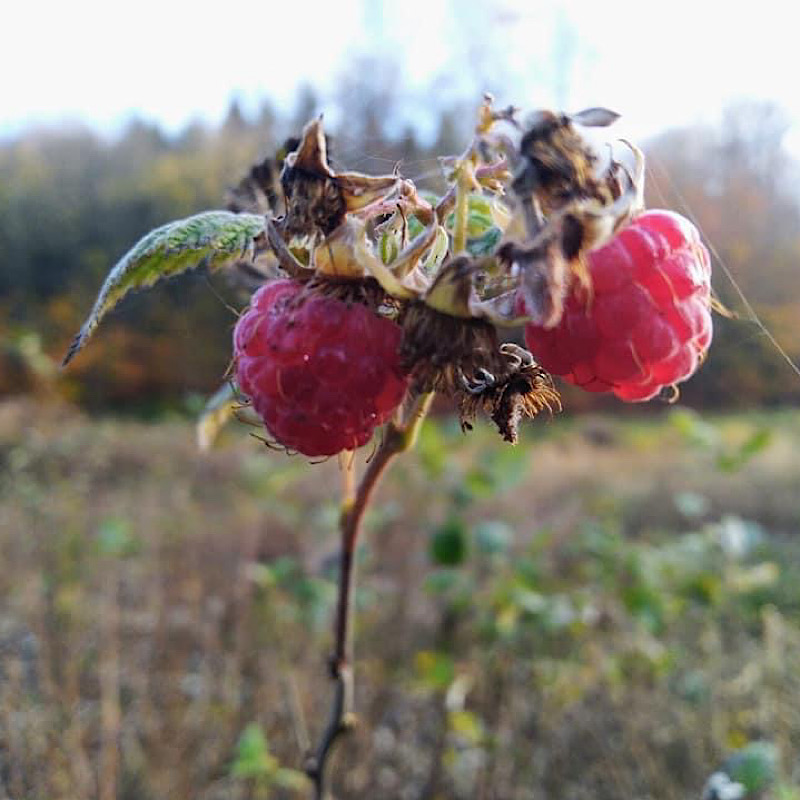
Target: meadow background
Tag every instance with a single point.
(609, 610)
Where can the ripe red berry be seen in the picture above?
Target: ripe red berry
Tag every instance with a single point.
(320, 372)
(647, 324)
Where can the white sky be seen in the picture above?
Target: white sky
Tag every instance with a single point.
(659, 64)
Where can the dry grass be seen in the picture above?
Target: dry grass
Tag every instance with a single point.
(148, 613)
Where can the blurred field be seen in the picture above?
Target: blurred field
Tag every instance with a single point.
(603, 612)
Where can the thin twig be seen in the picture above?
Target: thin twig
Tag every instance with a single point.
(398, 437)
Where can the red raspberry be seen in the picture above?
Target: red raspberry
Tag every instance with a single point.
(648, 323)
(321, 373)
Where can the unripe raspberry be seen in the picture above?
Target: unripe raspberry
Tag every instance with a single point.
(647, 324)
(321, 373)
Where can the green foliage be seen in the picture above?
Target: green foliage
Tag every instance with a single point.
(484, 244)
(254, 761)
(493, 537)
(253, 758)
(115, 538)
(754, 766)
(294, 595)
(734, 460)
(728, 456)
(212, 239)
(448, 545)
(436, 670)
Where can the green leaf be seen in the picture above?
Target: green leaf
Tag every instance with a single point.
(755, 766)
(480, 217)
(448, 545)
(694, 429)
(212, 239)
(437, 253)
(253, 759)
(647, 604)
(486, 243)
(388, 247)
(752, 446)
(436, 670)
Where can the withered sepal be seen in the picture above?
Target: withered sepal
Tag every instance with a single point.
(524, 391)
(317, 197)
(438, 350)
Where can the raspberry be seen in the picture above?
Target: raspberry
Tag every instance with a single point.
(321, 373)
(648, 322)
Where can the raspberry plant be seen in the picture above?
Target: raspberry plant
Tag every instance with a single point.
(372, 298)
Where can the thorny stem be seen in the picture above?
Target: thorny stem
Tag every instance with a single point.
(398, 437)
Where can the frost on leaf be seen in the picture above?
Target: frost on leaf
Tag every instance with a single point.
(211, 239)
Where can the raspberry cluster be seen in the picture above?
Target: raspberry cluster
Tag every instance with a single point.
(322, 373)
(646, 323)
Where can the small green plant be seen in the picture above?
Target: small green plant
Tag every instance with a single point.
(254, 762)
(374, 298)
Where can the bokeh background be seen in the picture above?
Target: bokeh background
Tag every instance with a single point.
(609, 610)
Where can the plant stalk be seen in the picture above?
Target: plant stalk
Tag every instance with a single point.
(398, 437)
(463, 186)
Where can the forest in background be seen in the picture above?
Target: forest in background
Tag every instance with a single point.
(72, 202)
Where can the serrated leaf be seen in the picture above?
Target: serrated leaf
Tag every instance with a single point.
(212, 239)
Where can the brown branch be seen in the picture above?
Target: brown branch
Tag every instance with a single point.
(398, 437)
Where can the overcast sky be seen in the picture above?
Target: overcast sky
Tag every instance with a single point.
(659, 64)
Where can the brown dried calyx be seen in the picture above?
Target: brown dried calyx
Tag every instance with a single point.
(558, 166)
(438, 349)
(523, 390)
(317, 198)
(569, 203)
(544, 272)
(462, 358)
(314, 201)
(260, 191)
(367, 292)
